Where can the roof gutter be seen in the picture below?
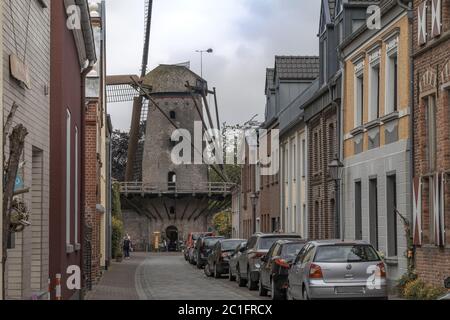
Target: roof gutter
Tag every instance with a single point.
(88, 33)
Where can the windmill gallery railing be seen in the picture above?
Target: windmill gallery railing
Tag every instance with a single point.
(210, 188)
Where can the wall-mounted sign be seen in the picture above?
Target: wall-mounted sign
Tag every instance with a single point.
(19, 71)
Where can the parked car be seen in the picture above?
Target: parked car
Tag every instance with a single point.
(219, 259)
(447, 286)
(275, 267)
(249, 262)
(333, 269)
(203, 249)
(234, 258)
(190, 244)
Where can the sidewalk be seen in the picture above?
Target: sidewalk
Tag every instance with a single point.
(118, 283)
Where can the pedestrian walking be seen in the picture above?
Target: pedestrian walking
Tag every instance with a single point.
(127, 246)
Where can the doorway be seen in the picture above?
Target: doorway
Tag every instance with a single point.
(172, 238)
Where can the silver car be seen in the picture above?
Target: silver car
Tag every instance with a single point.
(334, 269)
(234, 259)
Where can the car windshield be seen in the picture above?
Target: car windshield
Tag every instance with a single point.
(346, 254)
(211, 242)
(292, 249)
(230, 245)
(266, 243)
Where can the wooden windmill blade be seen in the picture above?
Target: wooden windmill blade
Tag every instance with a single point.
(121, 88)
(138, 101)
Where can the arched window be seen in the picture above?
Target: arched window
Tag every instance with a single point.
(172, 180)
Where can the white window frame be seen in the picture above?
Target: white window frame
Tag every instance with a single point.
(76, 198)
(68, 174)
(391, 53)
(359, 76)
(374, 84)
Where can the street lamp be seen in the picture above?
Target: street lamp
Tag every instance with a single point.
(201, 58)
(254, 200)
(336, 169)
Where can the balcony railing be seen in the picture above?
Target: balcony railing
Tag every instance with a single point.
(210, 188)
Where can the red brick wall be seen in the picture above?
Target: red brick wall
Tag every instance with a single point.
(321, 190)
(92, 217)
(432, 262)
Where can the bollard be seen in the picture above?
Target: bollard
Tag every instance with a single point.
(49, 295)
(58, 287)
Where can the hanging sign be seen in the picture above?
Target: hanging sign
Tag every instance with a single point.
(19, 71)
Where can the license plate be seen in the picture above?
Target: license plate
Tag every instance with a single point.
(349, 290)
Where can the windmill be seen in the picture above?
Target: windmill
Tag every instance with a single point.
(130, 88)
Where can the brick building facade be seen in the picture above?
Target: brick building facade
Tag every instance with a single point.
(431, 216)
(69, 49)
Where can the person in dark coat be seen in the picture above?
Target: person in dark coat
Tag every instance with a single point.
(127, 247)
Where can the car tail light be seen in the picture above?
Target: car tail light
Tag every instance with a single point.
(315, 272)
(381, 270)
(282, 263)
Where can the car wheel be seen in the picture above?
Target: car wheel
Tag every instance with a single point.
(217, 275)
(241, 282)
(230, 275)
(275, 294)
(251, 285)
(262, 290)
(199, 265)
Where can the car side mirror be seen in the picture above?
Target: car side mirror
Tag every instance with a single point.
(447, 283)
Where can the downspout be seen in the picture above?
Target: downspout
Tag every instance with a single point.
(410, 11)
(91, 60)
(84, 74)
(409, 8)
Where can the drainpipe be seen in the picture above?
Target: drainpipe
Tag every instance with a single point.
(84, 74)
(409, 8)
(1, 149)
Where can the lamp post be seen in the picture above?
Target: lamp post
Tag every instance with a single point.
(201, 58)
(336, 169)
(254, 199)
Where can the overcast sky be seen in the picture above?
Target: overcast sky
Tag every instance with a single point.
(245, 36)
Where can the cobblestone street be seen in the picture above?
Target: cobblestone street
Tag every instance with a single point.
(164, 277)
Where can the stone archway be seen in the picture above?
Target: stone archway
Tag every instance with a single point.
(172, 238)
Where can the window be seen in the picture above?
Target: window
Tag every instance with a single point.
(391, 195)
(173, 115)
(75, 196)
(358, 211)
(324, 61)
(374, 92)
(331, 142)
(373, 212)
(294, 161)
(68, 173)
(392, 84)
(431, 132)
(303, 158)
(359, 100)
(172, 180)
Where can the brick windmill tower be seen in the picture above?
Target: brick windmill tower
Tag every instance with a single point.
(159, 196)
